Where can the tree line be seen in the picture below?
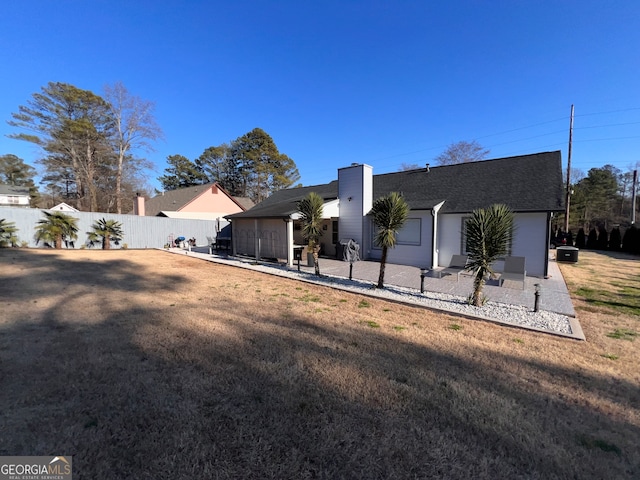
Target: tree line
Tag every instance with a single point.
(91, 146)
(600, 201)
(89, 143)
(249, 166)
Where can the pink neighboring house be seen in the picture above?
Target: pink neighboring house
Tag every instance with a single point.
(205, 202)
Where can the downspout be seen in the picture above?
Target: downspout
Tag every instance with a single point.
(289, 241)
(434, 235)
(256, 239)
(546, 249)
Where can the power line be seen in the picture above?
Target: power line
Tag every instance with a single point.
(611, 111)
(608, 125)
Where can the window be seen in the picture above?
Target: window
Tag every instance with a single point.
(463, 239)
(13, 199)
(410, 234)
(334, 232)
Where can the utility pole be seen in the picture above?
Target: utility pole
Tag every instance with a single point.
(633, 197)
(568, 197)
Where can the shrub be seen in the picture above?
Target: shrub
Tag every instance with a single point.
(592, 239)
(603, 238)
(630, 240)
(615, 240)
(581, 239)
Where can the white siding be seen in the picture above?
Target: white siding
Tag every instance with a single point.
(529, 240)
(15, 200)
(355, 192)
(416, 255)
(449, 237)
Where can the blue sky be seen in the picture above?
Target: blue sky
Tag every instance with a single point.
(336, 82)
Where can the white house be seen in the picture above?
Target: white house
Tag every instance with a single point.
(14, 196)
(440, 199)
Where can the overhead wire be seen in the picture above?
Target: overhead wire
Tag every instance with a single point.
(541, 135)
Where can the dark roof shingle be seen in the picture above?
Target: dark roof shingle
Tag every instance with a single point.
(527, 183)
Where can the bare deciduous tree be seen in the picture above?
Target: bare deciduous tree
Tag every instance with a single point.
(135, 128)
(462, 152)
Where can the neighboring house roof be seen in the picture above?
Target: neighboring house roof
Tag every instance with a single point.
(175, 200)
(527, 183)
(193, 215)
(11, 190)
(64, 208)
(285, 202)
(245, 202)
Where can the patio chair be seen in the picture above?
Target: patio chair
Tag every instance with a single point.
(514, 269)
(456, 266)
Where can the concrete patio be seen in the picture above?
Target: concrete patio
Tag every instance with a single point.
(554, 294)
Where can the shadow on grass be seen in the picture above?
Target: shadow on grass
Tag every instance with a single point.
(260, 392)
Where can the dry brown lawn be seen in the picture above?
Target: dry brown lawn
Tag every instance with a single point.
(147, 365)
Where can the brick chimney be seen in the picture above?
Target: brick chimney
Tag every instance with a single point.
(138, 206)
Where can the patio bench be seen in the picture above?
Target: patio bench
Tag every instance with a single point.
(514, 269)
(456, 266)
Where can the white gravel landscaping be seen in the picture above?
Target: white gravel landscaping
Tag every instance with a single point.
(512, 315)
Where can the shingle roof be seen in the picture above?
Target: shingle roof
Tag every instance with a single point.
(284, 202)
(11, 190)
(244, 202)
(527, 183)
(174, 200)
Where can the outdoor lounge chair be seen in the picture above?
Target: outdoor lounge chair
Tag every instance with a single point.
(514, 269)
(456, 266)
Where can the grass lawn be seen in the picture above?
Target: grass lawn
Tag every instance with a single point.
(147, 365)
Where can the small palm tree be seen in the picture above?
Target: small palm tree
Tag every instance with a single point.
(389, 215)
(8, 233)
(105, 231)
(489, 234)
(310, 209)
(55, 228)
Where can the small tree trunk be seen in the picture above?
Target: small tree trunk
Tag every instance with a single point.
(316, 262)
(58, 242)
(106, 242)
(383, 264)
(478, 284)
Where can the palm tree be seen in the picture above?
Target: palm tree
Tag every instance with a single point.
(489, 234)
(310, 209)
(105, 231)
(55, 228)
(8, 233)
(389, 215)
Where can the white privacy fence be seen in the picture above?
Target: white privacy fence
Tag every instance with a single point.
(139, 232)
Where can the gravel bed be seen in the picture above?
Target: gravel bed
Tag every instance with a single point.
(515, 315)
